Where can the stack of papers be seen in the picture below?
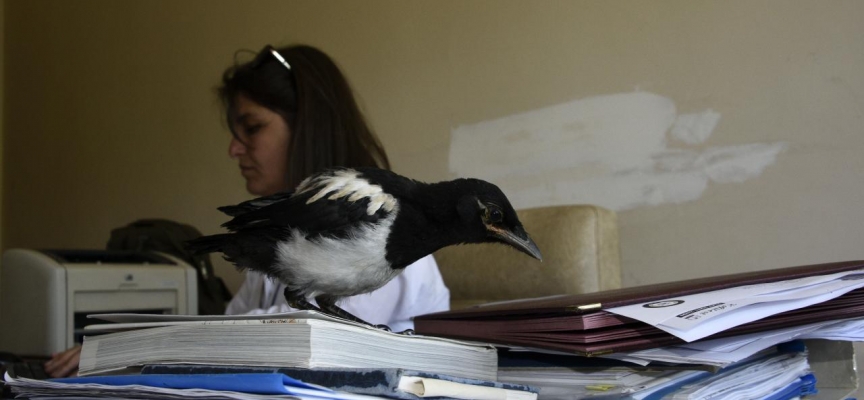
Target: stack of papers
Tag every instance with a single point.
(699, 315)
(776, 376)
(653, 316)
(221, 386)
(573, 384)
(304, 339)
(754, 380)
(240, 386)
(673, 331)
(724, 351)
(755, 377)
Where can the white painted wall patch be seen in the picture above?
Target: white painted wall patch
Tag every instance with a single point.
(612, 151)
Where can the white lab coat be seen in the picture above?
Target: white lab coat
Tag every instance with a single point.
(416, 291)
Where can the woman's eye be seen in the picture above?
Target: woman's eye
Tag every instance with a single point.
(252, 129)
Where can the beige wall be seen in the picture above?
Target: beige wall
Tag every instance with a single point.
(2, 104)
(111, 115)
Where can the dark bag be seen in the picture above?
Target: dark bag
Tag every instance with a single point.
(169, 237)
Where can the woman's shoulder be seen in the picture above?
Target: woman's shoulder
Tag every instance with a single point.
(423, 266)
(422, 276)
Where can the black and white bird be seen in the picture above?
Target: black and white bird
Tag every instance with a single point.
(344, 232)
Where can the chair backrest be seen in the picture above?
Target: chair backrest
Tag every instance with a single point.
(580, 255)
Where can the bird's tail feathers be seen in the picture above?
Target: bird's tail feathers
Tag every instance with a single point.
(254, 204)
(245, 220)
(233, 211)
(208, 244)
(244, 251)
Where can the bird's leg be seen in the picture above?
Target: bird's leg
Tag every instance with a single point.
(298, 301)
(328, 304)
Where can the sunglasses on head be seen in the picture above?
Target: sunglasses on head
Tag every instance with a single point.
(266, 54)
(269, 53)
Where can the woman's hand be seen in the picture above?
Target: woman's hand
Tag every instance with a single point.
(64, 363)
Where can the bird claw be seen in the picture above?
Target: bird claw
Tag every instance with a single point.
(299, 302)
(385, 328)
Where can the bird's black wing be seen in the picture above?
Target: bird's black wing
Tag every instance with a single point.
(324, 216)
(254, 204)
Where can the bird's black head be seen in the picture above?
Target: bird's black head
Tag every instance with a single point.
(487, 216)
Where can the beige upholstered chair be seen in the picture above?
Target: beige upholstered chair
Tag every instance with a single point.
(580, 254)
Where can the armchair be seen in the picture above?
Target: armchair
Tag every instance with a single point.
(580, 254)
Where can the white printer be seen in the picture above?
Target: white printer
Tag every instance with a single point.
(46, 295)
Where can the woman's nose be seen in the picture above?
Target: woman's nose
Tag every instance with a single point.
(236, 148)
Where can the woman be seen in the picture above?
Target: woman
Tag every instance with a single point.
(291, 112)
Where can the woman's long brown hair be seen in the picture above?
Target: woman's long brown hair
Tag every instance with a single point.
(327, 128)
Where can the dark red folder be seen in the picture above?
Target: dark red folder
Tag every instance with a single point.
(578, 324)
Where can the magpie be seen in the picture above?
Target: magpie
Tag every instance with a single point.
(348, 231)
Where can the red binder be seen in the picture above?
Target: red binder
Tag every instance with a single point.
(578, 324)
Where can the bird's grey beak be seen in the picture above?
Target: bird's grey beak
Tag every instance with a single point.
(525, 245)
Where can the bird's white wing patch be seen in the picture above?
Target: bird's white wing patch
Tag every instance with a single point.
(347, 183)
(336, 266)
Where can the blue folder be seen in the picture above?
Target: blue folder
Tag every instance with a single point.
(267, 383)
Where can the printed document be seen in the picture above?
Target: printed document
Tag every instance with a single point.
(699, 315)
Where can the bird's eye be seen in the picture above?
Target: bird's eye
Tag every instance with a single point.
(495, 215)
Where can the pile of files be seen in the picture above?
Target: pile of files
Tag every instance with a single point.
(744, 336)
(240, 384)
(302, 354)
(785, 371)
(690, 336)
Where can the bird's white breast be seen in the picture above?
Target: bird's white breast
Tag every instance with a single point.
(338, 267)
(347, 183)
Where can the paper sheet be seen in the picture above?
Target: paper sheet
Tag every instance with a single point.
(699, 315)
(724, 351)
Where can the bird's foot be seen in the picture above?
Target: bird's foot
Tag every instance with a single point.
(299, 302)
(407, 332)
(335, 311)
(328, 305)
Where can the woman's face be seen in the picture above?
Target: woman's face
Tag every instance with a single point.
(260, 147)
